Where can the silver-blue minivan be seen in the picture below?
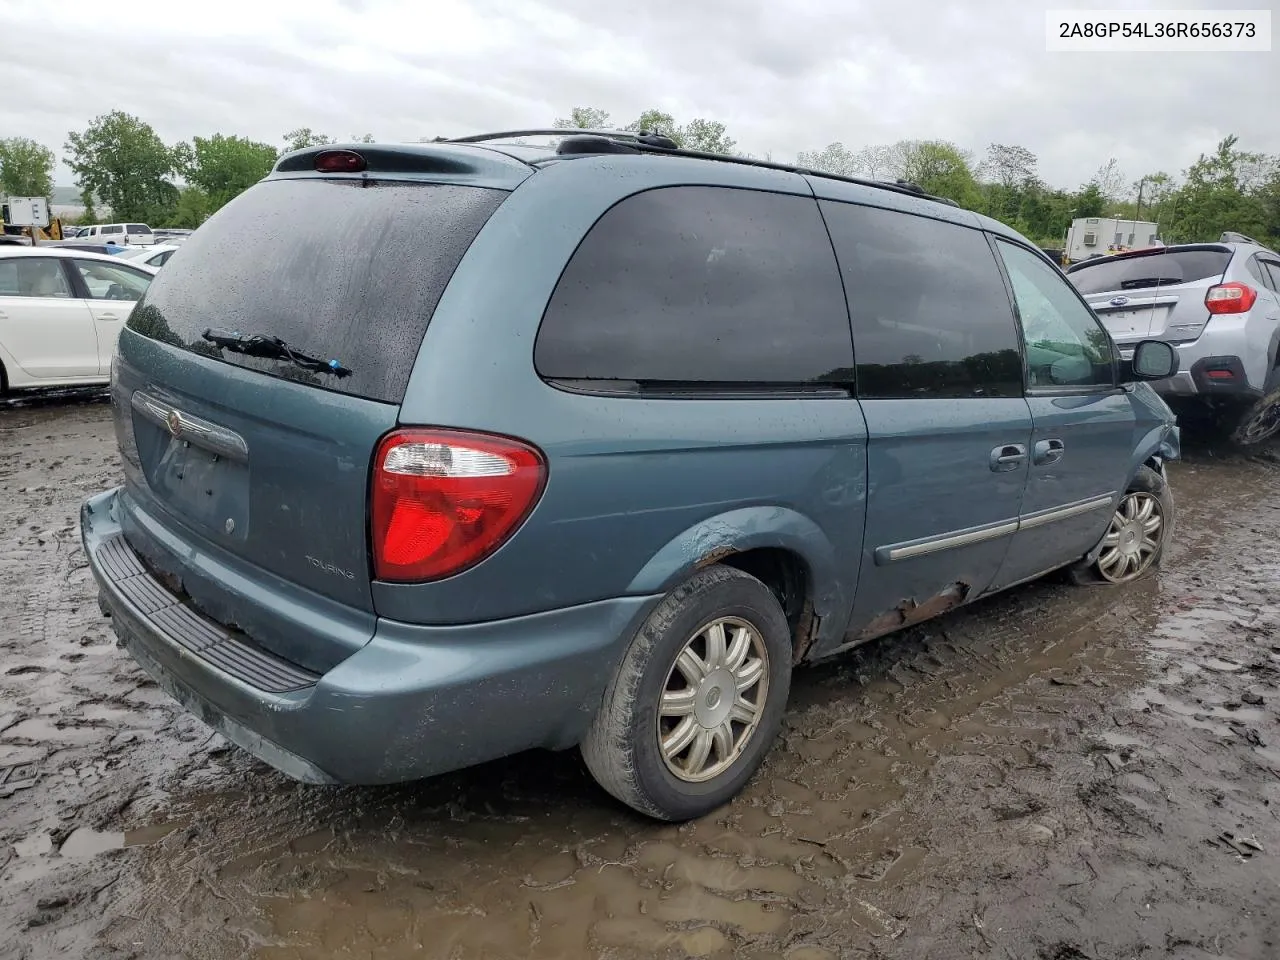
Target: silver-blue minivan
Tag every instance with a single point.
(589, 446)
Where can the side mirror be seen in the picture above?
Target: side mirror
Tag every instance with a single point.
(1152, 360)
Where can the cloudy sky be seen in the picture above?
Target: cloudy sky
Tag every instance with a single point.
(784, 75)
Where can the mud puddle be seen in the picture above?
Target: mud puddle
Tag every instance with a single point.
(1059, 773)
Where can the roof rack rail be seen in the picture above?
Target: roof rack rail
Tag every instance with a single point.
(640, 137)
(1230, 236)
(580, 141)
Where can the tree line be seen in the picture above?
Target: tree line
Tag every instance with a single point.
(120, 162)
(1230, 189)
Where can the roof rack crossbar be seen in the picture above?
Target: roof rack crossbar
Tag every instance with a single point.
(646, 142)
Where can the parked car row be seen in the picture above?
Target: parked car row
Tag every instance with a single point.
(61, 312)
(590, 447)
(121, 234)
(125, 235)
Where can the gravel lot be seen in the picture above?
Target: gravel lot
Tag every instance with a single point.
(1055, 773)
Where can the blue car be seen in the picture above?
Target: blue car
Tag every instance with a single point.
(590, 446)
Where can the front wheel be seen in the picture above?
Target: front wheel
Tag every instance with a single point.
(697, 700)
(1140, 529)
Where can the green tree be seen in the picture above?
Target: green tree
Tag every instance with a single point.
(584, 118)
(124, 162)
(833, 158)
(223, 167)
(362, 138)
(90, 208)
(1008, 183)
(26, 168)
(1089, 201)
(304, 137)
(940, 168)
(1225, 190)
(1110, 179)
(192, 208)
(657, 121)
(708, 136)
(1009, 165)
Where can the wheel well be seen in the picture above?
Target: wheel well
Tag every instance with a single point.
(4, 379)
(787, 575)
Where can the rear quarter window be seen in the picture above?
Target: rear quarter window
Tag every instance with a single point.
(700, 285)
(1150, 270)
(138, 228)
(342, 270)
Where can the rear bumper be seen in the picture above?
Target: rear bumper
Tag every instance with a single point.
(414, 702)
(1195, 379)
(1219, 376)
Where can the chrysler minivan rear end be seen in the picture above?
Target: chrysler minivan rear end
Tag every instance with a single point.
(269, 481)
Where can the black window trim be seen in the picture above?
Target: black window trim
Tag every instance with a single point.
(1063, 390)
(1262, 260)
(704, 389)
(79, 289)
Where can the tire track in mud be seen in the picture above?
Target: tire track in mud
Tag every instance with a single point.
(1045, 774)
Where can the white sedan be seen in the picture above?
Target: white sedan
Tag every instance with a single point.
(61, 312)
(156, 255)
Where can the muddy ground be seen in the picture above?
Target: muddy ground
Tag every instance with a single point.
(1057, 773)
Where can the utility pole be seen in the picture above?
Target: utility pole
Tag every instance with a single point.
(1133, 225)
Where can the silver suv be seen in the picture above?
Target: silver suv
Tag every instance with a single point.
(1218, 302)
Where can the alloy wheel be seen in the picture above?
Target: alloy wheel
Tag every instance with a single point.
(713, 699)
(1133, 539)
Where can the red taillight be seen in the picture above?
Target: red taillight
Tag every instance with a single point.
(444, 500)
(1220, 375)
(339, 161)
(1230, 298)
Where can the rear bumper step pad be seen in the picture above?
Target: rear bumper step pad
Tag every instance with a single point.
(205, 638)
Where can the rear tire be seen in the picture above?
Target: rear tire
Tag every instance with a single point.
(698, 698)
(1141, 527)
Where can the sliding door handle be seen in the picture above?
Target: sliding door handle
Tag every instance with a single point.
(1048, 451)
(1007, 458)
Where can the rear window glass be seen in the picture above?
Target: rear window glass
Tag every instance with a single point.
(136, 228)
(338, 270)
(1157, 269)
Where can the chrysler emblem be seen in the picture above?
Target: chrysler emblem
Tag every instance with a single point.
(1119, 301)
(174, 423)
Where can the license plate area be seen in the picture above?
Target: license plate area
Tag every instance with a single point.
(1139, 322)
(198, 469)
(204, 487)
(1127, 322)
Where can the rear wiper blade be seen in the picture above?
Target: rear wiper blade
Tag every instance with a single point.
(257, 345)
